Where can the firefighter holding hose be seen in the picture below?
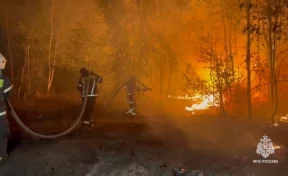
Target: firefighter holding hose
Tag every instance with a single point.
(93, 79)
(132, 88)
(5, 87)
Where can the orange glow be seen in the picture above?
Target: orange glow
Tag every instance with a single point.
(206, 101)
(284, 119)
(257, 95)
(276, 147)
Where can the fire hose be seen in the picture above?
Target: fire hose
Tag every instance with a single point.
(73, 126)
(118, 90)
(143, 85)
(64, 133)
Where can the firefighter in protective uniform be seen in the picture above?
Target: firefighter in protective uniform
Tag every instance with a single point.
(91, 96)
(131, 91)
(5, 88)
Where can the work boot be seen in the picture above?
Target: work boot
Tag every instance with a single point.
(91, 126)
(3, 159)
(88, 125)
(179, 172)
(79, 126)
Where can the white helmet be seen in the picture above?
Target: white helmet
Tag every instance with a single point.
(2, 62)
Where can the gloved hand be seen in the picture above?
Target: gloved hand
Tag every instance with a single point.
(146, 89)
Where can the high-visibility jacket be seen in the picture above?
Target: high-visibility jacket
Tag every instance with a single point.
(5, 88)
(93, 88)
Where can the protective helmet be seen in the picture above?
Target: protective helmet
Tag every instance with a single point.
(84, 71)
(2, 62)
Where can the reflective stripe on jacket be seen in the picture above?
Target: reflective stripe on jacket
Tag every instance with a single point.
(3, 113)
(93, 88)
(5, 88)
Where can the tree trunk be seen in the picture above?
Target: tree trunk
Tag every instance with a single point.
(50, 67)
(275, 84)
(52, 70)
(28, 75)
(230, 51)
(52, 60)
(8, 36)
(270, 49)
(248, 57)
(169, 81)
(27, 50)
(225, 35)
(161, 79)
(222, 109)
(274, 75)
(258, 35)
(152, 74)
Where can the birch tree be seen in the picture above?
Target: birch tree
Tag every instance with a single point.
(248, 57)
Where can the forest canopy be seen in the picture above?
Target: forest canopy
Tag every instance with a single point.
(233, 49)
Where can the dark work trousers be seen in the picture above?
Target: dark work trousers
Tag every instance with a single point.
(4, 135)
(87, 116)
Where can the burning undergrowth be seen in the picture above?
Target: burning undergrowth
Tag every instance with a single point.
(199, 102)
(284, 119)
(204, 94)
(214, 91)
(222, 85)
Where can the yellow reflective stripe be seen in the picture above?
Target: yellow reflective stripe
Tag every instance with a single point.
(8, 89)
(86, 122)
(2, 113)
(95, 95)
(93, 87)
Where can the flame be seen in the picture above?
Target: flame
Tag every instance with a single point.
(185, 97)
(206, 101)
(284, 119)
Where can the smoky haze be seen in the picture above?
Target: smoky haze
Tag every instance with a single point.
(46, 42)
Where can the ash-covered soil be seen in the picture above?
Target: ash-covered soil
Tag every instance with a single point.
(151, 146)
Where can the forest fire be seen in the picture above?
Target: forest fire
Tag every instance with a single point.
(284, 119)
(277, 147)
(206, 101)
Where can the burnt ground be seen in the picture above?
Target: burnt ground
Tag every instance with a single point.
(151, 145)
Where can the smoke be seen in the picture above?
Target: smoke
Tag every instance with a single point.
(202, 133)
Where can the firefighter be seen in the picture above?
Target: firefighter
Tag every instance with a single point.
(91, 96)
(5, 87)
(132, 88)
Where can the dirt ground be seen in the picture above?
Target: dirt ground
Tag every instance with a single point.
(151, 145)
